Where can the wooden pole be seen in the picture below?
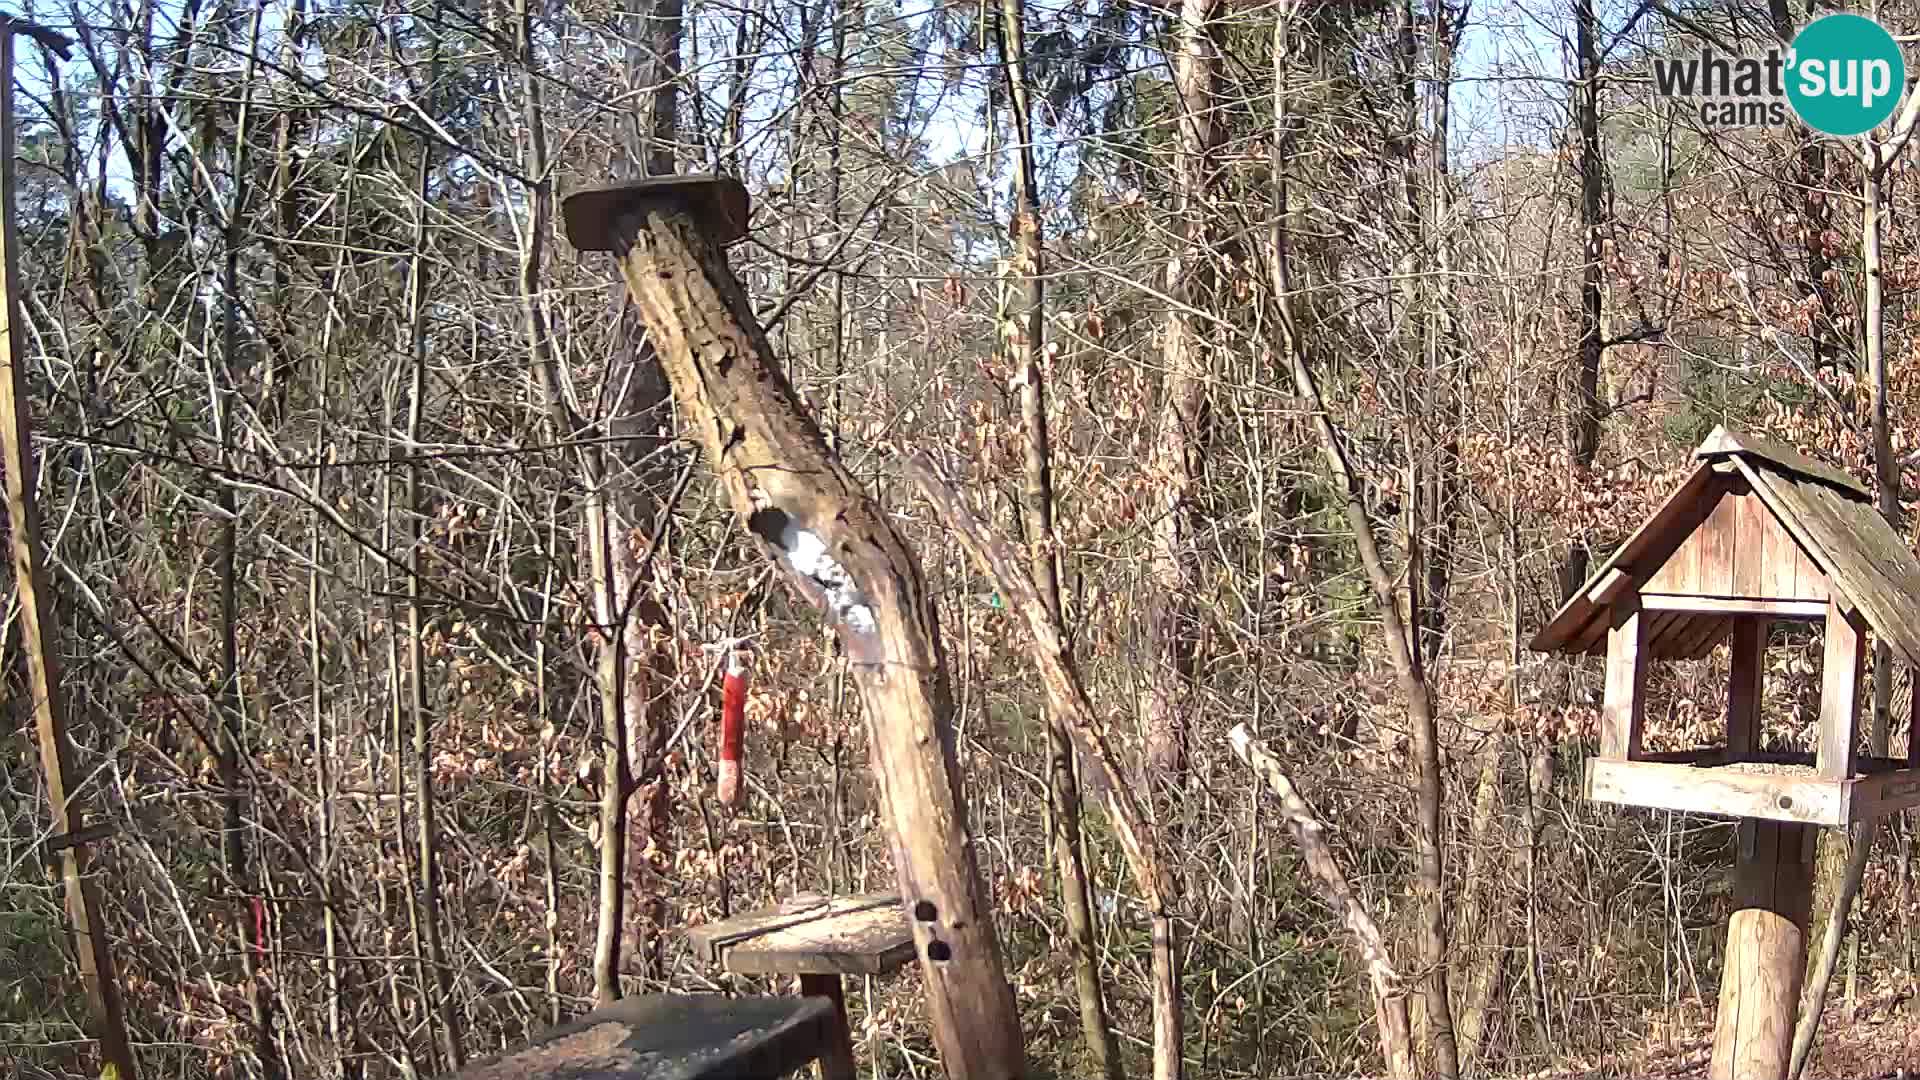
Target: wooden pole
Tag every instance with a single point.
(838, 548)
(1766, 952)
(37, 628)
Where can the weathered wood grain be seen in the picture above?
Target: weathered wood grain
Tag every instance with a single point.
(1887, 793)
(1744, 686)
(1718, 606)
(863, 935)
(1867, 564)
(1622, 708)
(1647, 548)
(838, 548)
(1766, 954)
(1713, 791)
(1752, 526)
(673, 1037)
(1721, 443)
(1842, 661)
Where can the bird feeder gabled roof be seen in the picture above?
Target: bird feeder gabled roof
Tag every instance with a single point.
(1829, 515)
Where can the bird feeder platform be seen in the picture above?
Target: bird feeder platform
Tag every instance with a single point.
(1757, 534)
(674, 1037)
(819, 939)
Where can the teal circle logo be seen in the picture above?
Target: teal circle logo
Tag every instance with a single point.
(1845, 74)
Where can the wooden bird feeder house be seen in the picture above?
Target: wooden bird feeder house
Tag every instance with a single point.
(1757, 534)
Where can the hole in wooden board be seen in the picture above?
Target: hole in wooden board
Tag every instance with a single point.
(939, 952)
(924, 911)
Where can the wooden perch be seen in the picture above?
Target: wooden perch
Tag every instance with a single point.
(836, 547)
(1389, 1006)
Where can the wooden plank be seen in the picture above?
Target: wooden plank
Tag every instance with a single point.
(1695, 790)
(1608, 587)
(800, 918)
(1679, 572)
(1721, 442)
(673, 1037)
(1886, 793)
(1591, 638)
(836, 1057)
(1866, 562)
(1841, 663)
(1766, 953)
(1726, 605)
(870, 942)
(1661, 631)
(1722, 631)
(1706, 631)
(1745, 685)
(1751, 525)
(1809, 581)
(1913, 718)
(1716, 541)
(1647, 547)
(1621, 708)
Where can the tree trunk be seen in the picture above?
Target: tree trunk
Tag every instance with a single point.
(1025, 342)
(1389, 1004)
(1588, 409)
(1185, 423)
(427, 837)
(839, 550)
(1827, 959)
(1485, 922)
(1067, 698)
(38, 631)
(1815, 211)
(638, 418)
(1415, 693)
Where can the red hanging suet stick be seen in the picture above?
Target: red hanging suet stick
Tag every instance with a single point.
(260, 931)
(733, 727)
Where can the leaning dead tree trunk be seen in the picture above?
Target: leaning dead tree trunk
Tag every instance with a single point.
(837, 548)
(1024, 340)
(1067, 699)
(1389, 1003)
(71, 832)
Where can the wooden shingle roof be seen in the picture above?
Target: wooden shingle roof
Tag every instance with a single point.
(1829, 514)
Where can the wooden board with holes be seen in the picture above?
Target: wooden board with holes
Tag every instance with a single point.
(673, 1037)
(846, 935)
(1705, 782)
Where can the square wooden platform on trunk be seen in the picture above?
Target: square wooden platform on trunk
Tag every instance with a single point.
(818, 938)
(1712, 782)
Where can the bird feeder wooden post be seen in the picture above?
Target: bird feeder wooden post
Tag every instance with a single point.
(1757, 534)
(836, 547)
